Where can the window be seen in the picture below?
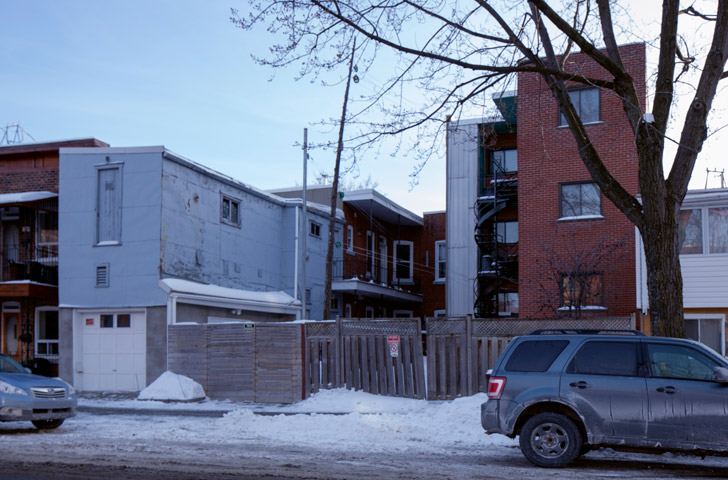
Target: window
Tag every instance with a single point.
(586, 103)
(370, 254)
(706, 329)
(507, 303)
(308, 296)
(581, 290)
(315, 229)
(230, 211)
(123, 321)
(678, 361)
(102, 275)
(507, 232)
(47, 235)
(108, 206)
(580, 200)
(107, 321)
(46, 333)
(369, 312)
(690, 231)
(334, 304)
(403, 261)
(350, 239)
(347, 310)
(503, 161)
(440, 260)
(535, 355)
(606, 358)
(718, 229)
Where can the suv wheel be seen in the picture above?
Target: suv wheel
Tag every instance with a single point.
(550, 440)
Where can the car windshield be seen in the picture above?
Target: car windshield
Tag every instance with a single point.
(8, 365)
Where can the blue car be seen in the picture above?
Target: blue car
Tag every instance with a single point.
(45, 401)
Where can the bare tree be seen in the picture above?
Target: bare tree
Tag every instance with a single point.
(453, 53)
(571, 273)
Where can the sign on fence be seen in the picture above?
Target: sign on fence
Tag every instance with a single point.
(393, 342)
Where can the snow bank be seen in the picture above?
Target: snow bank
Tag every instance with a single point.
(172, 387)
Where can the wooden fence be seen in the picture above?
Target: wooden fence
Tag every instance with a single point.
(286, 362)
(256, 362)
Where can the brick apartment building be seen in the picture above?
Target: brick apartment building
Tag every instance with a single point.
(29, 175)
(393, 260)
(529, 233)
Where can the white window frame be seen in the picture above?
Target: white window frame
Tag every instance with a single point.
(229, 220)
(50, 247)
(396, 261)
(710, 316)
(37, 338)
(440, 313)
(440, 278)
(103, 218)
(350, 239)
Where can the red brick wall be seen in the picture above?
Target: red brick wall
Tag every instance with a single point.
(433, 293)
(547, 156)
(29, 173)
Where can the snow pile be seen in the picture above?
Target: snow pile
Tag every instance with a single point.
(170, 387)
(394, 424)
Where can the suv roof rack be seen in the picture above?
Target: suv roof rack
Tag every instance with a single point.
(585, 331)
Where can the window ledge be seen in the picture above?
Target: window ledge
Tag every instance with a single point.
(564, 127)
(586, 308)
(350, 252)
(108, 243)
(440, 281)
(402, 281)
(580, 217)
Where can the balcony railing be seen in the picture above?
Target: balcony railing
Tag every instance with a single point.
(372, 271)
(37, 265)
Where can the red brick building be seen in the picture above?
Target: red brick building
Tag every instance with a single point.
(393, 260)
(546, 243)
(29, 249)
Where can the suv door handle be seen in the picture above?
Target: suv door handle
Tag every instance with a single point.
(579, 384)
(668, 390)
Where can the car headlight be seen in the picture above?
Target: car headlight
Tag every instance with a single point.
(11, 389)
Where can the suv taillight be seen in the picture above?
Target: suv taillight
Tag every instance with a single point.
(495, 387)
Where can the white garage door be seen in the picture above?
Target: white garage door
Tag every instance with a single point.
(113, 352)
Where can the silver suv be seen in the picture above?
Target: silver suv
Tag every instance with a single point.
(564, 392)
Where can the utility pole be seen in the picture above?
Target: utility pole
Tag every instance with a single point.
(335, 193)
(304, 232)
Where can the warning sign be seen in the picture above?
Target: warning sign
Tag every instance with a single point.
(393, 342)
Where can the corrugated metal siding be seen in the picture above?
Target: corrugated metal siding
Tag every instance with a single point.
(705, 280)
(462, 175)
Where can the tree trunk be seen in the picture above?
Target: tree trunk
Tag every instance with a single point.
(664, 277)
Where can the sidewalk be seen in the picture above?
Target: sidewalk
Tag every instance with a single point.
(127, 404)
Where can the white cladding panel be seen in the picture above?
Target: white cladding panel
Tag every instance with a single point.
(462, 177)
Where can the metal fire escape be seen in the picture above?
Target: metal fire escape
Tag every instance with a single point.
(498, 261)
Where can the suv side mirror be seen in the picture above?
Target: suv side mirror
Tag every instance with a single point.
(720, 374)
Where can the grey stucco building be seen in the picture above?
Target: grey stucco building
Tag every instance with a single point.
(148, 239)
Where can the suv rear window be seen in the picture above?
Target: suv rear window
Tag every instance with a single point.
(535, 355)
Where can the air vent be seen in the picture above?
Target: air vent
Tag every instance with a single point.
(102, 275)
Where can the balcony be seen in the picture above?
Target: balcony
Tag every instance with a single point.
(369, 279)
(38, 265)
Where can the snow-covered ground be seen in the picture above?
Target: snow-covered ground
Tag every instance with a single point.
(395, 429)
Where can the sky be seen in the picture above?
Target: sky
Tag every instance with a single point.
(178, 73)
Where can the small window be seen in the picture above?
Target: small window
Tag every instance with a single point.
(718, 228)
(586, 103)
(123, 321)
(606, 358)
(315, 229)
(308, 296)
(47, 235)
(46, 336)
(580, 290)
(102, 275)
(349, 238)
(678, 361)
(535, 355)
(230, 211)
(580, 200)
(347, 310)
(403, 261)
(507, 303)
(369, 312)
(334, 304)
(108, 205)
(690, 231)
(503, 161)
(107, 321)
(440, 260)
(507, 232)
(707, 331)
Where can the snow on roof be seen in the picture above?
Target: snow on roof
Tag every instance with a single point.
(25, 197)
(176, 285)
